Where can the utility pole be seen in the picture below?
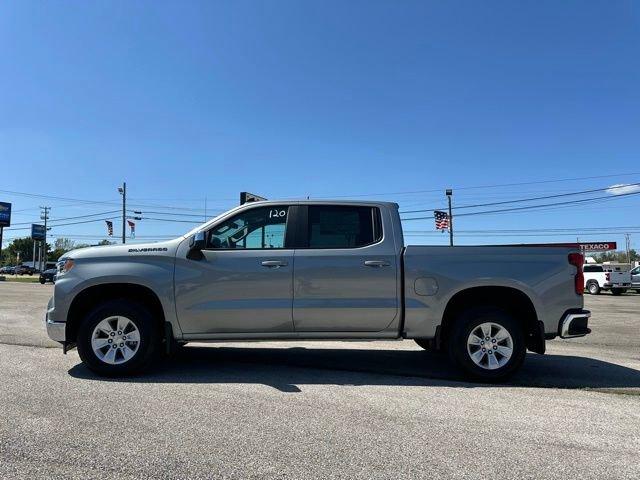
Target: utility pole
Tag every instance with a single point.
(627, 241)
(123, 192)
(44, 215)
(1, 233)
(449, 193)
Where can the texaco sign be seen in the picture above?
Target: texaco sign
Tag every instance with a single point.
(598, 246)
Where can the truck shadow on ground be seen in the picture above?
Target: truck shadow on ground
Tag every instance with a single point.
(287, 369)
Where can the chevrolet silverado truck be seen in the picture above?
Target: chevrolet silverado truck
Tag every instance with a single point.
(322, 270)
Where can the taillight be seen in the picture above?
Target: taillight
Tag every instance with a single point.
(607, 276)
(577, 260)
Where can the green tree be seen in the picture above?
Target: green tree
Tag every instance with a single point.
(64, 244)
(615, 256)
(20, 250)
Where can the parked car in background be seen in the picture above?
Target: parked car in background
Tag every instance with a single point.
(48, 275)
(598, 277)
(23, 270)
(635, 278)
(8, 269)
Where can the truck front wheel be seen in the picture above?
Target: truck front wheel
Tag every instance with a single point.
(118, 338)
(487, 344)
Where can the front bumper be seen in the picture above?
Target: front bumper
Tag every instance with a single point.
(575, 324)
(55, 330)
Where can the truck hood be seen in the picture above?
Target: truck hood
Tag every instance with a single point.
(105, 251)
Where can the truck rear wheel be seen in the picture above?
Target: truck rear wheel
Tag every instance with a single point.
(118, 338)
(593, 288)
(487, 344)
(617, 291)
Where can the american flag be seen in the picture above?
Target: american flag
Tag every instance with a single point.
(109, 227)
(132, 226)
(442, 220)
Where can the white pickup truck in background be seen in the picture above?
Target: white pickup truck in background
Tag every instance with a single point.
(598, 277)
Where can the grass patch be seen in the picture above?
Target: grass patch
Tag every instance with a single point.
(11, 278)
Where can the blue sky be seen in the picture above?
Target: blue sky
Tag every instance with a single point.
(187, 100)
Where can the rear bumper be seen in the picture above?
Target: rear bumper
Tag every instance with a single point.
(574, 324)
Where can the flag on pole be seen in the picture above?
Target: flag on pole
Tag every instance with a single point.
(109, 228)
(442, 220)
(132, 226)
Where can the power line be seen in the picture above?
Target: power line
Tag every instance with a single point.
(530, 199)
(71, 218)
(498, 185)
(531, 207)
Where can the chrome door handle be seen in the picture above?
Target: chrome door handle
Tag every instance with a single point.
(376, 263)
(274, 263)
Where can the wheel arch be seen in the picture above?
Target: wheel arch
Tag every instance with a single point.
(514, 301)
(91, 296)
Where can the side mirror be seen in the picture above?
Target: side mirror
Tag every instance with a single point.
(197, 243)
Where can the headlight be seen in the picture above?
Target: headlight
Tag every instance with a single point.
(65, 266)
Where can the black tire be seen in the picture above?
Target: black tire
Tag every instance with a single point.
(150, 338)
(43, 281)
(471, 319)
(617, 291)
(593, 288)
(424, 343)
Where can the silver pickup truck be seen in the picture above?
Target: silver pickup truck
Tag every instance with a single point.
(315, 270)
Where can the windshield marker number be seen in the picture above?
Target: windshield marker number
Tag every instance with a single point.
(274, 213)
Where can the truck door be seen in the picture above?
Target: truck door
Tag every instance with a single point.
(244, 281)
(345, 275)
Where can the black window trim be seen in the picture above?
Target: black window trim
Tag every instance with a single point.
(289, 237)
(302, 230)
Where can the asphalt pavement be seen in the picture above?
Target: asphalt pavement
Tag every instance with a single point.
(319, 409)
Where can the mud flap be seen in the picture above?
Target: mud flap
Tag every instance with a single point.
(536, 340)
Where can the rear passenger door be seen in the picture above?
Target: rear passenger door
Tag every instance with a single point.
(345, 273)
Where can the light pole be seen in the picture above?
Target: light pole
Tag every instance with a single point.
(123, 191)
(449, 193)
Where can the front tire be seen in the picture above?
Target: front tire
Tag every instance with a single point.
(487, 344)
(119, 338)
(617, 291)
(593, 288)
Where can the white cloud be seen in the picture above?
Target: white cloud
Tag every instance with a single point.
(622, 188)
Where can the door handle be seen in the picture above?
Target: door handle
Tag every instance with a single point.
(274, 263)
(376, 263)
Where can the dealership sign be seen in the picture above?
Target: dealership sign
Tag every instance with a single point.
(598, 246)
(5, 214)
(38, 232)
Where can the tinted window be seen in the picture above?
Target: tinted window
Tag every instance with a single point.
(255, 228)
(343, 226)
(593, 268)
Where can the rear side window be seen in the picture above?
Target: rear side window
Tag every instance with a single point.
(343, 226)
(593, 268)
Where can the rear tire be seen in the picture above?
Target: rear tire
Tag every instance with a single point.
(483, 360)
(139, 324)
(42, 281)
(617, 291)
(593, 288)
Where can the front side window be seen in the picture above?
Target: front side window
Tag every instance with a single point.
(343, 226)
(257, 228)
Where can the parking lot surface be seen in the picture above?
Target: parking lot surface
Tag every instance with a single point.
(319, 409)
